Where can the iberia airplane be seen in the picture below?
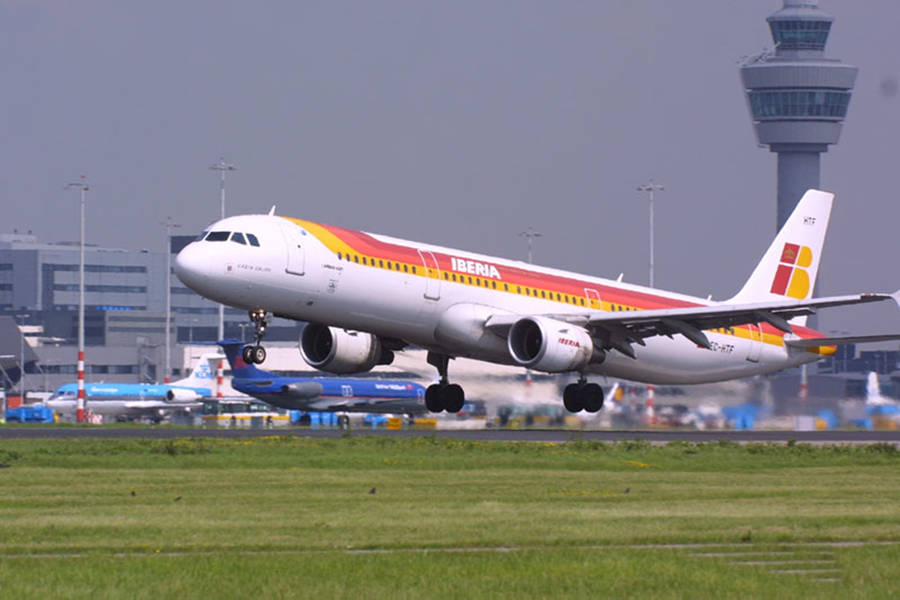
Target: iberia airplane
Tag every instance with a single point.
(365, 296)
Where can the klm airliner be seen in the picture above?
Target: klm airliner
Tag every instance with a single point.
(131, 400)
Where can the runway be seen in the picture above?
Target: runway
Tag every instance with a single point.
(834, 436)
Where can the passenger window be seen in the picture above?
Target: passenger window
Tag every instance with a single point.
(445, 275)
(453, 275)
(406, 268)
(470, 280)
(494, 284)
(339, 256)
(558, 296)
(505, 287)
(218, 236)
(518, 289)
(380, 263)
(365, 262)
(238, 237)
(356, 258)
(582, 301)
(252, 239)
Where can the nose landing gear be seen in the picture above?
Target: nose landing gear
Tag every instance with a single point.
(256, 354)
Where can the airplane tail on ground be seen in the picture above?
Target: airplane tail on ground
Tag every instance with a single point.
(788, 268)
(203, 374)
(239, 367)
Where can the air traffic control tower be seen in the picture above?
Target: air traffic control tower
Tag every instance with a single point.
(798, 98)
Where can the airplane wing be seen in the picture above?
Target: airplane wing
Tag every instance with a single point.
(619, 330)
(838, 341)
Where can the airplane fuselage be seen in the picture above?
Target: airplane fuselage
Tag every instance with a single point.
(440, 298)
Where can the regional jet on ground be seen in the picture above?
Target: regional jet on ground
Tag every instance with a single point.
(365, 296)
(326, 394)
(131, 400)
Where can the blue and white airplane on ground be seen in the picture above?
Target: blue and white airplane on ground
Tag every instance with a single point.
(328, 394)
(133, 400)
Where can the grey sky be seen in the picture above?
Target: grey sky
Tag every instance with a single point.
(458, 123)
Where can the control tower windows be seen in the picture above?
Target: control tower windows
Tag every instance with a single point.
(799, 103)
(800, 34)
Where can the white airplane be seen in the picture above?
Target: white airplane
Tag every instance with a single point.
(365, 295)
(129, 400)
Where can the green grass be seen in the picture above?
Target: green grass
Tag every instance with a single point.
(289, 516)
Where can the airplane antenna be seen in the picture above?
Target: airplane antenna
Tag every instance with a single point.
(272, 211)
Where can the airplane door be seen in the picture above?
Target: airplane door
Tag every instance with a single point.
(593, 298)
(293, 238)
(432, 275)
(755, 342)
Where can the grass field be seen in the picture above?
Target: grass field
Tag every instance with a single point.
(426, 517)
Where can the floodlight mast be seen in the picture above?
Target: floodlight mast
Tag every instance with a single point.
(169, 224)
(84, 187)
(651, 187)
(222, 167)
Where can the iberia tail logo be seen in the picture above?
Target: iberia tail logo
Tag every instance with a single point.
(791, 277)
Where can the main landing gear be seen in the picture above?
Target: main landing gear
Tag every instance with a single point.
(444, 395)
(256, 354)
(583, 396)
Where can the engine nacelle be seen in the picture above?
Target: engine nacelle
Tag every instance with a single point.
(341, 351)
(549, 345)
(182, 395)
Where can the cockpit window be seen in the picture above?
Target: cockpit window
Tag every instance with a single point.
(238, 237)
(218, 236)
(252, 239)
(201, 236)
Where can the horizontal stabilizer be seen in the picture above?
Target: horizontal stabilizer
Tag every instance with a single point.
(840, 341)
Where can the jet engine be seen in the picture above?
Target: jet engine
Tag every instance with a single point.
(549, 345)
(340, 350)
(182, 395)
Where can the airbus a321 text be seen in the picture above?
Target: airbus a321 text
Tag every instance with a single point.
(365, 296)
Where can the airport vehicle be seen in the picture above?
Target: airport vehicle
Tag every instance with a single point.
(328, 394)
(132, 400)
(246, 412)
(365, 296)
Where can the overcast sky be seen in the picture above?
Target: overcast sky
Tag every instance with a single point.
(459, 123)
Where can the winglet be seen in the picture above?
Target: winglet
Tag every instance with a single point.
(896, 297)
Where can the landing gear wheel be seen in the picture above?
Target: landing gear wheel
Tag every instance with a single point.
(247, 354)
(571, 398)
(433, 398)
(454, 397)
(591, 396)
(259, 355)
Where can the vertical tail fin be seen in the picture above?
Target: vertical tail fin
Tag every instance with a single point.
(203, 372)
(788, 268)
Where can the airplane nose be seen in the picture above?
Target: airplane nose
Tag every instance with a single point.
(191, 267)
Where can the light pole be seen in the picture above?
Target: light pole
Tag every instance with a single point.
(243, 326)
(22, 356)
(169, 225)
(222, 167)
(530, 234)
(651, 187)
(79, 412)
